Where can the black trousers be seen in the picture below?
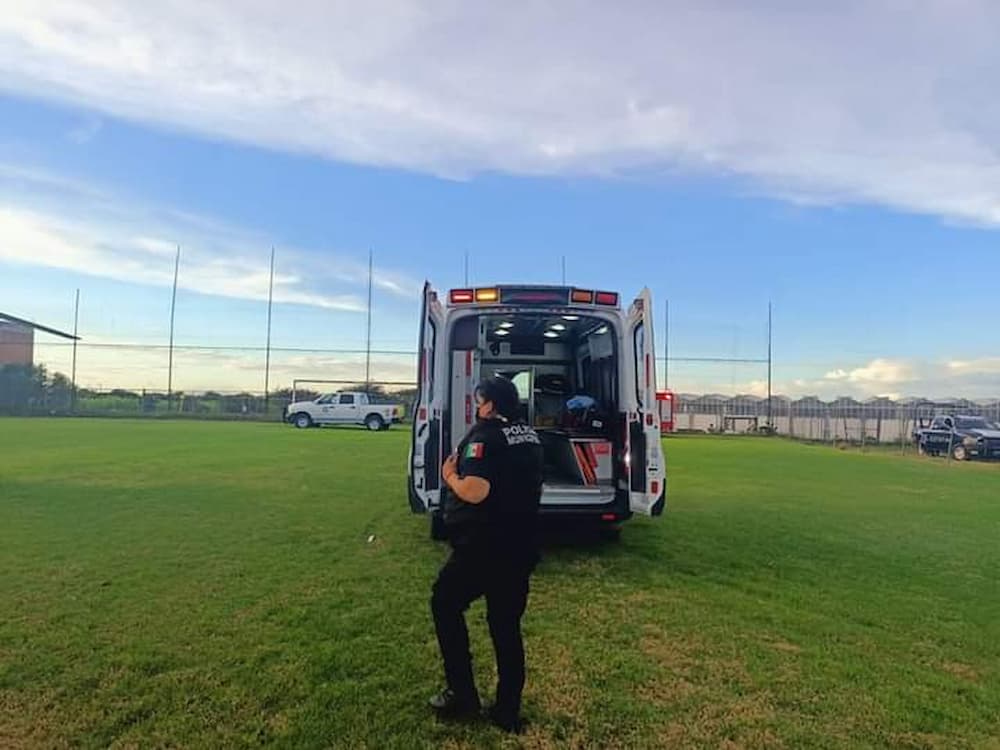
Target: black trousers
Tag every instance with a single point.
(467, 575)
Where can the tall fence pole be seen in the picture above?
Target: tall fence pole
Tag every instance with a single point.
(770, 422)
(76, 330)
(368, 345)
(170, 353)
(267, 347)
(666, 344)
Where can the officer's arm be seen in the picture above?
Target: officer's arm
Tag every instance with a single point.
(469, 489)
(472, 486)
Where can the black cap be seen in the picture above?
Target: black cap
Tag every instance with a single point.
(502, 393)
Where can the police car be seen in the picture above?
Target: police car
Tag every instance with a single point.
(962, 437)
(585, 370)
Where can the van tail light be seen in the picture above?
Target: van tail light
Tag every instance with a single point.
(607, 298)
(487, 295)
(583, 295)
(461, 296)
(654, 488)
(608, 517)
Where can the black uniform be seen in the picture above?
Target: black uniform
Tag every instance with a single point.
(494, 551)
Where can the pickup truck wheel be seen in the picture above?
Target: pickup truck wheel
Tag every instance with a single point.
(959, 453)
(302, 420)
(374, 422)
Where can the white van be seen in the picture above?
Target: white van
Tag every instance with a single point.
(586, 374)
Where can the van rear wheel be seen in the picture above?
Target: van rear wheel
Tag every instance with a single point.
(439, 532)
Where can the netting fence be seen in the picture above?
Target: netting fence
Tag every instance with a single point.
(873, 421)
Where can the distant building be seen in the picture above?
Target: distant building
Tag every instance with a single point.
(17, 339)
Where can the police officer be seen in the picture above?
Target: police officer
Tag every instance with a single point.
(490, 511)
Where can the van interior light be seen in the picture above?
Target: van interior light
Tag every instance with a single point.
(503, 332)
(506, 324)
(558, 327)
(602, 329)
(551, 335)
(570, 317)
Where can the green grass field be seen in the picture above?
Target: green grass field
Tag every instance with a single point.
(213, 585)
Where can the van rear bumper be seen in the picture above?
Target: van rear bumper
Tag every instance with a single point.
(610, 512)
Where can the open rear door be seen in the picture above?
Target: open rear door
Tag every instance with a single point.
(647, 472)
(464, 379)
(425, 449)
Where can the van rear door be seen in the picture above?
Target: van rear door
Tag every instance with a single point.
(465, 364)
(646, 465)
(425, 448)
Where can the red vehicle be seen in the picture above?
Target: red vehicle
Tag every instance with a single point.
(666, 404)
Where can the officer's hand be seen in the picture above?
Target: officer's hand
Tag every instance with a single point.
(450, 467)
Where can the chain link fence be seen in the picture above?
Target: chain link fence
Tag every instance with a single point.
(874, 421)
(60, 400)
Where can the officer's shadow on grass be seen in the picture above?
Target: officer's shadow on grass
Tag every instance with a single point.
(578, 536)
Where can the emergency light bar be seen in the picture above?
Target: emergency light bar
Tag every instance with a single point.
(528, 296)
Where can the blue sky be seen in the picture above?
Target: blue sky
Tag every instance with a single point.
(861, 197)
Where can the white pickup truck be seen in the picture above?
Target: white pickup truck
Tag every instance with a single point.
(343, 408)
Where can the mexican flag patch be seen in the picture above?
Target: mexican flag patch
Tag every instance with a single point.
(474, 450)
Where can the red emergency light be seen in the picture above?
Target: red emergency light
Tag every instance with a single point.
(533, 296)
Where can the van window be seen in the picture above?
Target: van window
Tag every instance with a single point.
(465, 334)
(431, 358)
(522, 381)
(639, 339)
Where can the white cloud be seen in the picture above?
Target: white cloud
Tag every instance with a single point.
(36, 239)
(981, 366)
(86, 131)
(82, 229)
(878, 371)
(865, 100)
(893, 378)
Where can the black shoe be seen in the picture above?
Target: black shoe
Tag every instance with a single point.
(513, 724)
(450, 706)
